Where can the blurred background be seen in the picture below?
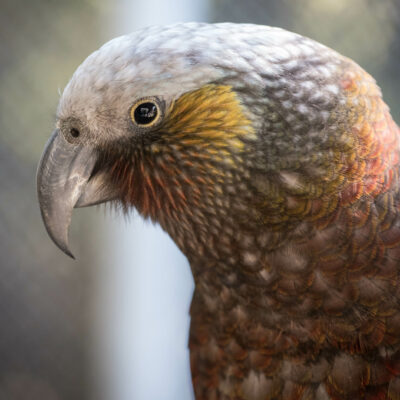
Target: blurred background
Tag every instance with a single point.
(113, 325)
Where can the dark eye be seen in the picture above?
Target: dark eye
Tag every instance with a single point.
(74, 132)
(145, 113)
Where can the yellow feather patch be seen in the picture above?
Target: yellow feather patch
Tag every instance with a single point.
(210, 117)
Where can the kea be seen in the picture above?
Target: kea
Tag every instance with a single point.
(273, 163)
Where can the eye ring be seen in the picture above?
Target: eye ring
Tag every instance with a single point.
(145, 113)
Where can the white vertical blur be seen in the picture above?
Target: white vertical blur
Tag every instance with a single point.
(143, 285)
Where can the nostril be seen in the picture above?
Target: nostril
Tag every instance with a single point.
(74, 132)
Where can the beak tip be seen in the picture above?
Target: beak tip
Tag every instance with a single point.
(58, 233)
(62, 244)
(68, 253)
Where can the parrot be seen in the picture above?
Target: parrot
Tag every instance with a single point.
(272, 162)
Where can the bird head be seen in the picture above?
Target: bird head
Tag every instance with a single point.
(199, 127)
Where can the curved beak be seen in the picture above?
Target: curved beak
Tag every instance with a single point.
(65, 181)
